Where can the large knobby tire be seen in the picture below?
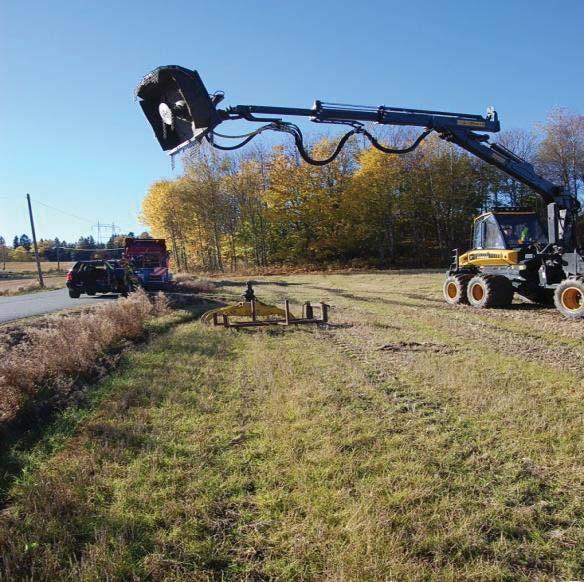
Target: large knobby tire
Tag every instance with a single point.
(454, 289)
(488, 291)
(74, 294)
(569, 298)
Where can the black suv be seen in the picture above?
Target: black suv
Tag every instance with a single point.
(100, 276)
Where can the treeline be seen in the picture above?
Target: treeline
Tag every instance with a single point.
(85, 248)
(366, 207)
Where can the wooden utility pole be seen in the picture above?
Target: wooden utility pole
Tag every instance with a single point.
(3, 248)
(34, 242)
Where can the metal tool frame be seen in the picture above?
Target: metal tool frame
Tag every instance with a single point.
(307, 312)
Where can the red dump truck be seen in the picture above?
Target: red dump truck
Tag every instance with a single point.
(149, 260)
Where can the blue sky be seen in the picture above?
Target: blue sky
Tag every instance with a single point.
(72, 135)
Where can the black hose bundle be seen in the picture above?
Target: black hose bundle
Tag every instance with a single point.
(296, 133)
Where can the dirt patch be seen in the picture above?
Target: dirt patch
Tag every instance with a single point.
(416, 347)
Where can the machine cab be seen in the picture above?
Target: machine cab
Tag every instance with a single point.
(500, 236)
(507, 229)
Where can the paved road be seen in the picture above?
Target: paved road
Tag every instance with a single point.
(43, 302)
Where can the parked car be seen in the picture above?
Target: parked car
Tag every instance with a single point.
(100, 276)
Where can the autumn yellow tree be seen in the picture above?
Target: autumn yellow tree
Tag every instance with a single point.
(372, 206)
(246, 188)
(166, 216)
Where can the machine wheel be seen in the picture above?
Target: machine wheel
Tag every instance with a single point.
(74, 294)
(124, 289)
(569, 298)
(488, 291)
(454, 289)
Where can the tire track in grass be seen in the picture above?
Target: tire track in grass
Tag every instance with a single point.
(564, 354)
(529, 319)
(404, 399)
(474, 459)
(499, 352)
(336, 416)
(490, 379)
(518, 438)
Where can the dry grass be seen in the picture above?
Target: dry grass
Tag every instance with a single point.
(413, 441)
(21, 277)
(17, 287)
(68, 347)
(10, 287)
(30, 267)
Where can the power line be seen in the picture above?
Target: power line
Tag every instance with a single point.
(62, 211)
(83, 218)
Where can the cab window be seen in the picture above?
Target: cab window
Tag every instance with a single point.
(493, 236)
(488, 235)
(477, 242)
(521, 230)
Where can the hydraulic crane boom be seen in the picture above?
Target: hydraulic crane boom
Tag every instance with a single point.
(181, 112)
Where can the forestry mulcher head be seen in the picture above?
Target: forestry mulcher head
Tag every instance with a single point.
(177, 106)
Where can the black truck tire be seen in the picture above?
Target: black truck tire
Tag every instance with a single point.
(569, 298)
(454, 289)
(74, 294)
(489, 291)
(124, 288)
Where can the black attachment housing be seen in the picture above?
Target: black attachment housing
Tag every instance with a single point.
(177, 106)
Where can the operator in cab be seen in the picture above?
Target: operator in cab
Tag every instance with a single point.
(523, 231)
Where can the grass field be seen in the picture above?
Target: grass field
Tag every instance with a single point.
(29, 269)
(21, 277)
(409, 440)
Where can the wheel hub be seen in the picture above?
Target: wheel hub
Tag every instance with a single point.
(477, 292)
(572, 298)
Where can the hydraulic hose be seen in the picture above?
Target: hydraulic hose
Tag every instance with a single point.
(296, 133)
(398, 151)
